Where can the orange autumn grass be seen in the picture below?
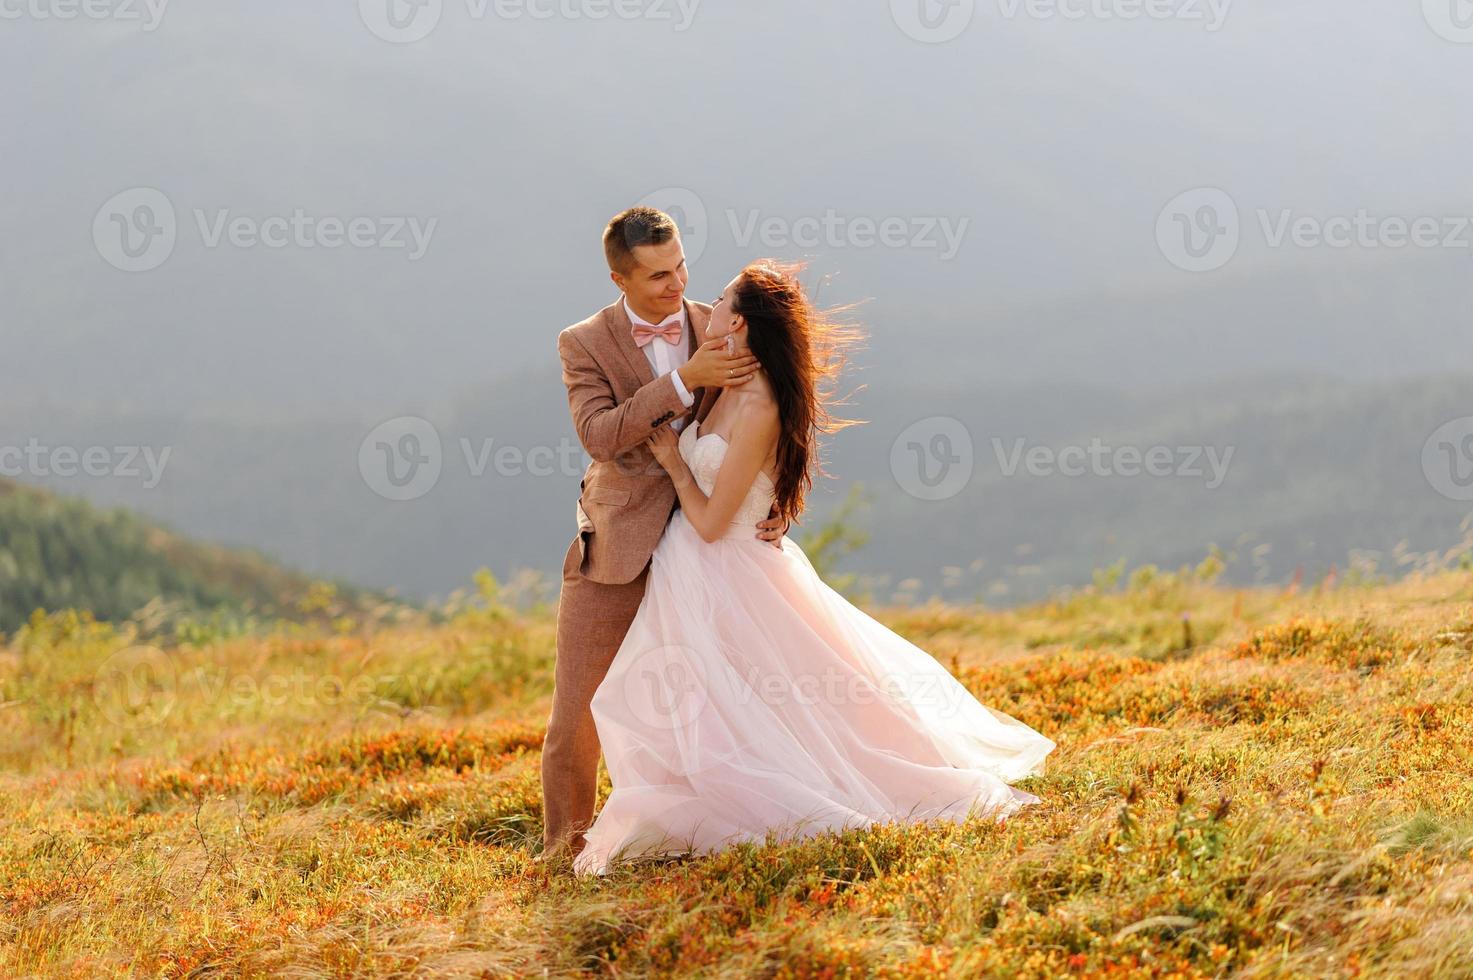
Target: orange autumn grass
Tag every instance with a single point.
(1288, 795)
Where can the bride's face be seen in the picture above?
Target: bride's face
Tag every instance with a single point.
(723, 320)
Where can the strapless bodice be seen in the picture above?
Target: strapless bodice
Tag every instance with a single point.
(703, 454)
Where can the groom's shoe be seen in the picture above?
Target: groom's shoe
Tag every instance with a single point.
(561, 853)
(549, 859)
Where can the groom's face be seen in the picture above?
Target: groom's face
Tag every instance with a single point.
(656, 284)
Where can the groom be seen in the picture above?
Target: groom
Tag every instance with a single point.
(630, 369)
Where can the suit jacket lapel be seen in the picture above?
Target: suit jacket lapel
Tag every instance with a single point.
(697, 321)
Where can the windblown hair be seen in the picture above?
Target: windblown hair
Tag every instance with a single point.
(802, 350)
(632, 228)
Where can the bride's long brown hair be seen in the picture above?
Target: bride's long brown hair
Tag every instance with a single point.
(803, 350)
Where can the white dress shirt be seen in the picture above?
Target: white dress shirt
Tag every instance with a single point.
(665, 357)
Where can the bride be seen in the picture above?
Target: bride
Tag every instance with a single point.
(748, 697)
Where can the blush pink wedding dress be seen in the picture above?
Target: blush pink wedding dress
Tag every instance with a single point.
(748, 697)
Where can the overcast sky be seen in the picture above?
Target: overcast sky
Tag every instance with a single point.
(1024, 162)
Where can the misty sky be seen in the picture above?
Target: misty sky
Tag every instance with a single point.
(1057, 142)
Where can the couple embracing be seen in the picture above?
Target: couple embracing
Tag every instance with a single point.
(732, 693)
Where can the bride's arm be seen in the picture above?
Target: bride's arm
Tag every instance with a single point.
(711, 516)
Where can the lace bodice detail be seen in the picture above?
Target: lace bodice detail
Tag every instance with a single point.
(703, 454)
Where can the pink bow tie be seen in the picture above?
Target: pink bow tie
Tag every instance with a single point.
(644, 333)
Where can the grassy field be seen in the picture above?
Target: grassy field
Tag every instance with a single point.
(1247, 783)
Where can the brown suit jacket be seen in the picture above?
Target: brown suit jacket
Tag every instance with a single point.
(617, 403)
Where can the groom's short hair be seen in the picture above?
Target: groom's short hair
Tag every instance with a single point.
(632, 228)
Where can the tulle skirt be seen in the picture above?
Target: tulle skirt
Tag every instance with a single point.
(750, 698)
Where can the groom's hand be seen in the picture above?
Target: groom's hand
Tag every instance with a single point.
(712, 365)
(773, 529)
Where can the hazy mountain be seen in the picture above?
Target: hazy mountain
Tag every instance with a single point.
(1309, 466)
(59, 553)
